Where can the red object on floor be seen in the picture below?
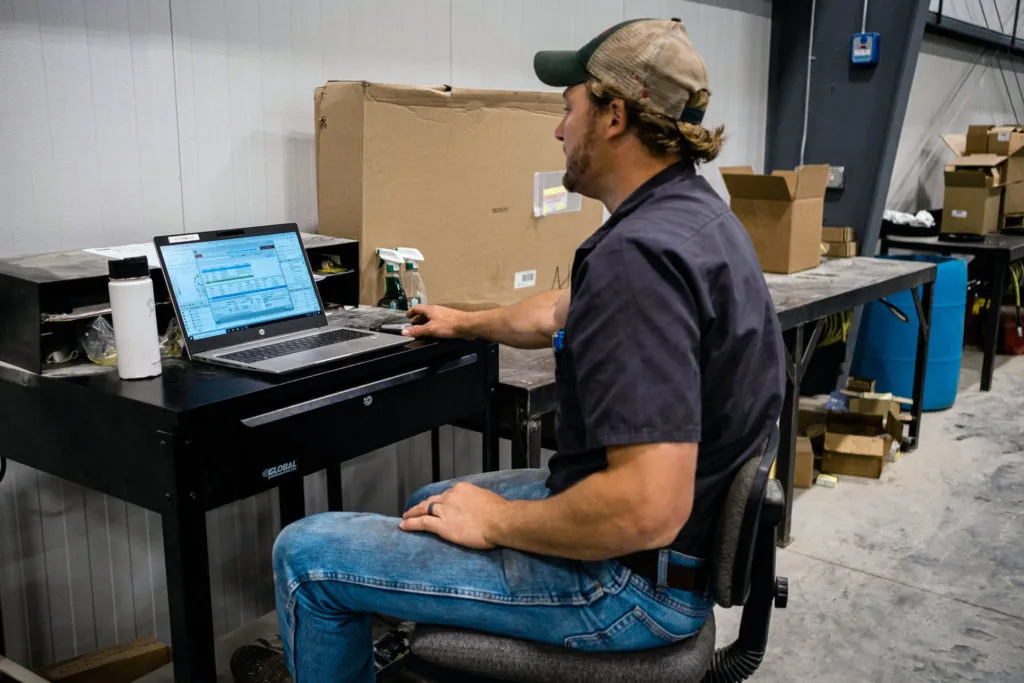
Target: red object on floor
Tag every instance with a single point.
(1010, 344)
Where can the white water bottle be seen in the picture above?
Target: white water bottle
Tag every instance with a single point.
(133, 307)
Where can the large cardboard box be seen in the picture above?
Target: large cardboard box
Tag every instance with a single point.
(450, 172)
(782, 212)
(803, 470)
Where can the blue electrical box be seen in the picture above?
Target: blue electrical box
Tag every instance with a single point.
(864, 48)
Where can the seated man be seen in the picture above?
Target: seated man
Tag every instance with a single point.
(669, 377)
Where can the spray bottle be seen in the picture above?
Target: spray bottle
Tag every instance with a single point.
(394, 293)
(414, 287)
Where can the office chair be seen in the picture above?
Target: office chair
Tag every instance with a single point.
(743, 575)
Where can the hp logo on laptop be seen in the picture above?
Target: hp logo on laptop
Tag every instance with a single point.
(368, 401)
(262, 332)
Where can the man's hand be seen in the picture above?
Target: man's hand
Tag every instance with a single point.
(436, 321)
(463, 514)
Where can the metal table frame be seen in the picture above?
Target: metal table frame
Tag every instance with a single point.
(182, 461)
(994, 255)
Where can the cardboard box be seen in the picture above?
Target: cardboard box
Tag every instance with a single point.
(451, 173)
(782, 213)
(831, 234)
(840, 249)
(855, 464)
(803, 472)
(1013, 199)
(1000, 138)
(971, 201)
(861, 445)
(862, 384)
(976, 140)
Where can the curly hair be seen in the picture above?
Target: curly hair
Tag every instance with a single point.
(659, 134)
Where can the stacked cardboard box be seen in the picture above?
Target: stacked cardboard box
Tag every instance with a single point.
(984, 182)
(782, 213)
(868, 436)
(838, 242)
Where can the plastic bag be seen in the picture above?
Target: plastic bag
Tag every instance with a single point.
(98, 342)
(171, 342)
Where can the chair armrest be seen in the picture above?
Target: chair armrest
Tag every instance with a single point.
(774, 503)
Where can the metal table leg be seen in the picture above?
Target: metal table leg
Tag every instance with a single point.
(526, 438)
(435, 454)
(188, 593)
(923, 303)
(292, 501)
(999, 266)
(797, 359)
(490, 431)
(335, 503)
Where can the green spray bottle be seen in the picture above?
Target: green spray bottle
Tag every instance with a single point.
(394, 292)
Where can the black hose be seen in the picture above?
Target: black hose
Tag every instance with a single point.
(732, 664)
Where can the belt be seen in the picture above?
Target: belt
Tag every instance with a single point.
(645, 564)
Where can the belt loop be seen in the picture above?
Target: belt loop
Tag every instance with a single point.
(662, 569)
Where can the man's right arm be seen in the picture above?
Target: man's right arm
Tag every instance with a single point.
(527, 324)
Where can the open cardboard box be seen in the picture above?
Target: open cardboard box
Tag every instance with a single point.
(782, 212)
(974, 189)
(861, 445)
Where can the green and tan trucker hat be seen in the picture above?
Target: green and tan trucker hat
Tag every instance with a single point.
(650, 61)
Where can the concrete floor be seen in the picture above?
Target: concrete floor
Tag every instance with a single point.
(918, 576)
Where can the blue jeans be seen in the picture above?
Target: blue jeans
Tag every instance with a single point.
(333, 570)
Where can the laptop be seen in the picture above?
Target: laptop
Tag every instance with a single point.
(247, 299)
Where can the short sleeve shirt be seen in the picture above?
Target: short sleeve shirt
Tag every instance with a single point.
(671, 336)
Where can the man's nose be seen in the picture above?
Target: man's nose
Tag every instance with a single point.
(559, 133)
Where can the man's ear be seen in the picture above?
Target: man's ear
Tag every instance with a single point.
(617, 120)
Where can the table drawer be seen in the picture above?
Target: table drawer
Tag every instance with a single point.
(268, 448)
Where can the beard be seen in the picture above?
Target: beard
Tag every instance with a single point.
(578, 162)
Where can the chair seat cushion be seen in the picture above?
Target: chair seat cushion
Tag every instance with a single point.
(519, 660)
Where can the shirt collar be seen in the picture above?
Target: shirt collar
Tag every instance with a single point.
(679, 171)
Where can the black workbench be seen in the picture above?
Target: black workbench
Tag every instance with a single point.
(527, 378)
(199, 437)
(993, 257)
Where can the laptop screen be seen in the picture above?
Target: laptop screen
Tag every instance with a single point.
(228, 285)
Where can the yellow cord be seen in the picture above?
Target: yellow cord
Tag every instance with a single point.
(837, 328)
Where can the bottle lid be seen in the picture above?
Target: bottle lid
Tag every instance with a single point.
(410, 265)
(128, 268)
(392, 268)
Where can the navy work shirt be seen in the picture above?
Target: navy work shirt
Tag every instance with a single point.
(671, 337)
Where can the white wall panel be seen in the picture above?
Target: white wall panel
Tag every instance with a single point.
(993, 14)
(121, 119)
(954, 86)
(87, 126)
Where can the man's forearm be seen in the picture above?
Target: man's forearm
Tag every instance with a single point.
(527, 324)
(593, 520)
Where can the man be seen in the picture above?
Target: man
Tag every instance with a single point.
(669, 377)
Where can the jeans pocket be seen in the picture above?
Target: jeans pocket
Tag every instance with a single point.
(634, 630)
(541, 580)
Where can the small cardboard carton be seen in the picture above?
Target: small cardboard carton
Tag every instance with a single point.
(803, 470)
(451, 172)
(840, 249)
(1001, 139)
(782, 213)
(831, 234)
(974, 187)
(861, 445)
(1013, 149)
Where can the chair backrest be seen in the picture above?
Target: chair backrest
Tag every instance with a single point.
(732, 547)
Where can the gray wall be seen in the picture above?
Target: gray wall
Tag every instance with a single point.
(123, 119)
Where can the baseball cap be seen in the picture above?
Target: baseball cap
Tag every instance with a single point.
(650, 61)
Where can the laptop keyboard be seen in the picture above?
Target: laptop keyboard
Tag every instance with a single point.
(294, 346)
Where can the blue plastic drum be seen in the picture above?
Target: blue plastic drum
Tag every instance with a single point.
(886, 347)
